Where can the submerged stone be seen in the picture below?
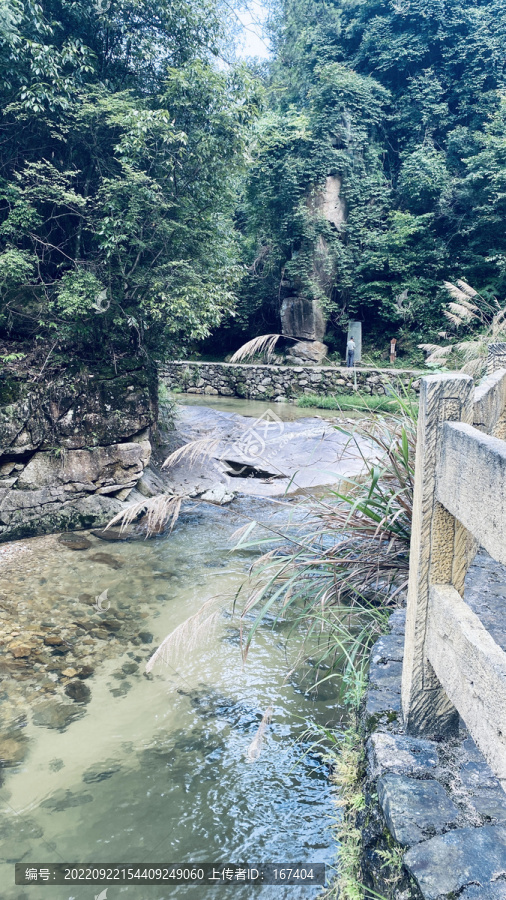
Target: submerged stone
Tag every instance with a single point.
(101, 772)
(107, 560)
(414, 810)
(12, 750)
(146, 637)
(74, 542)
(78, 691)
(61, 800)
(52, 714)
(118, 534)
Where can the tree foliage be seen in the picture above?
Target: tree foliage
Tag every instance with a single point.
(403, 101)
(121, 142)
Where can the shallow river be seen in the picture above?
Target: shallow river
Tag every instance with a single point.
(154, 768)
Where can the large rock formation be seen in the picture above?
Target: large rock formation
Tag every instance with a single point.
(72, 448)
(301, 316)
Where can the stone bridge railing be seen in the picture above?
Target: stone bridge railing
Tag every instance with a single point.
(452, 664)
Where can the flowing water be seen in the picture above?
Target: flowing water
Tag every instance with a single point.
(155, 768)
(288, 412)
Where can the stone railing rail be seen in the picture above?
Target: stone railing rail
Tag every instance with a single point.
(452, 664)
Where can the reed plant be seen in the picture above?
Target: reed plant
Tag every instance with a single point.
(340, 572)
(484, 320)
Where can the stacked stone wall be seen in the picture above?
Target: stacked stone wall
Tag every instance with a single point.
(276, 382)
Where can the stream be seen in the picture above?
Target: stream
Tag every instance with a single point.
(125, 767)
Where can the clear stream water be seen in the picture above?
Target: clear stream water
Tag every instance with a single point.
(155, 769)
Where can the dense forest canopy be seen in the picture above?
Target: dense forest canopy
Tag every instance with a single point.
(402, 99)
(153, 191)
(121, 141)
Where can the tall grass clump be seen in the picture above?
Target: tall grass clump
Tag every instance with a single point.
(341, 572)
(357, 401)
(481, 318)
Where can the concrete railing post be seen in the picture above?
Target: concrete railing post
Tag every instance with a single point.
(496, 358)
(438, 553)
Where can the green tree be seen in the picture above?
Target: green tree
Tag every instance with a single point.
(402, 100)
(122, 143)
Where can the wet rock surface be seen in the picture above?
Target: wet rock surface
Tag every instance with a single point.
(263, 458)
(414, 810)
(72, 451)
(437, 801)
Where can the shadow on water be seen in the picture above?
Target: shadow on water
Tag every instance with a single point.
(141, 769)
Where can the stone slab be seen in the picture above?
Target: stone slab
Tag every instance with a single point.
(464, 858)
(386, 674)
(389, 646)
(382, 703)
(490, 892)
(485, 793)
(415, 809)
(400, 754)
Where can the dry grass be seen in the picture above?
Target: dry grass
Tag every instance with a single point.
(485, 317)
(265, 343)
(187, 636)
(155, 513)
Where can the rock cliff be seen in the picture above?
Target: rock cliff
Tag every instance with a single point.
(72, 448)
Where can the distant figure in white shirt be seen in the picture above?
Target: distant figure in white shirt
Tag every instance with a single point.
(350, 353)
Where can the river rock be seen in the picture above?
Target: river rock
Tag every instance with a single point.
(117, 534)
(129, 668)
(78, 691)
(101, 772)
(146, 637)
(12, 750)
(86, 672)
(53, 640)
(74, 542)
(19, 650)
(54, 714)
(218, 494)
(61, 800)
(69, 673)
(107, 560)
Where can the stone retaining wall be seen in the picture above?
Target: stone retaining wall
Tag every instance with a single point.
(275, 382)
(433, 807)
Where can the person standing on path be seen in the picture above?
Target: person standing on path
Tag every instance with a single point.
(350, 353)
